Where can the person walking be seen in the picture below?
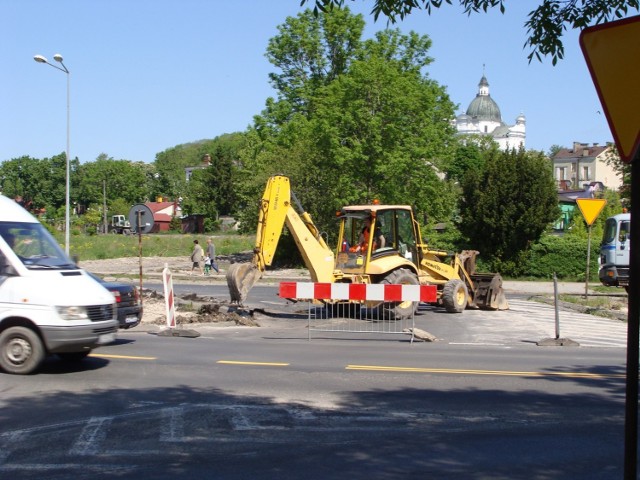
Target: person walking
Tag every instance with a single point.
(211, 253)
(197, 257)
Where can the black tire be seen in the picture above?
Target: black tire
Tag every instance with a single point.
(21, 350)
(454, 296)
(399, 310)
(73, 357)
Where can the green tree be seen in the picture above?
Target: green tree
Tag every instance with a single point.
(546, 24)
(117, 179)
(507, 206)
(40, 183)
(469, 155)
(310, 52)
(623, 170)
(378, 130)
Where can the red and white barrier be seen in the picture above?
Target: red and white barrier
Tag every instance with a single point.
(382, 292)
(167, 280)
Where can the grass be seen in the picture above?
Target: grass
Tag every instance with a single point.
(102, 247)
(598, 304)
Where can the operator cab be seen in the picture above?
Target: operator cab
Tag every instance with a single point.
(370, 232)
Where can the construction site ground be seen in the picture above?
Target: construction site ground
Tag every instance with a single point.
(194, 310)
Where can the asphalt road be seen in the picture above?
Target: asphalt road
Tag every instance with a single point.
(482, 402)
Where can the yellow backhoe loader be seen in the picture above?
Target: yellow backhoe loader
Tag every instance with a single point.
(376, 244)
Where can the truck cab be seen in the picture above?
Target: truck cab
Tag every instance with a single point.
(614, 251)
(47, 304)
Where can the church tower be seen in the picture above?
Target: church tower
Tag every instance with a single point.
(483, 117)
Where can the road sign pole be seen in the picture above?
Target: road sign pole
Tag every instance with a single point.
(586, 281)
(633, 332)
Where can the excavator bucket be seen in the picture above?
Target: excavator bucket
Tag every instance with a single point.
(240, 279)
(488, 293)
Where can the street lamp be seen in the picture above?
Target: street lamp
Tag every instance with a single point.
(58, 58)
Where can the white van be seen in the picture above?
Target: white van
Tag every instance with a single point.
(47, 304)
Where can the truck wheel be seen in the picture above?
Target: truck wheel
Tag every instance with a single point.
(454, 296)
(21, 350)
(400, 310)
(72, 357)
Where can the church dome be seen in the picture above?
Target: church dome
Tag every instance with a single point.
(483, 107)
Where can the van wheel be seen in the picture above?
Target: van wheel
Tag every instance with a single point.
(454, 296)
(21, 350)
(73, 357)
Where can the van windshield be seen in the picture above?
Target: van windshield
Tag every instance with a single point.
(34, 245)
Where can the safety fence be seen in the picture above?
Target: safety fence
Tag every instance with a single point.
(359, 308)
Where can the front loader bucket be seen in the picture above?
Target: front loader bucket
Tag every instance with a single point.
(241, 277)
(488, 293)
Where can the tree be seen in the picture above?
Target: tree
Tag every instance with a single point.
(40, 183)
(378, 130)
(507, 206)
(311, 52)
(469, 155)
(622, 169)
(118, 179)
(545, 25)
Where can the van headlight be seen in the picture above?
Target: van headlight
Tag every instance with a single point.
(72, 313)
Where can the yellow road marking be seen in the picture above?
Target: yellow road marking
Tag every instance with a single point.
(260, 364)
(379, 368)
(127, 357)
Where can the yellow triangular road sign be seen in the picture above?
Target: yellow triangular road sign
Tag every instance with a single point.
(590, 208)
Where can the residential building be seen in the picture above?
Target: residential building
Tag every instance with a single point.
(206, 162)
(584, 166)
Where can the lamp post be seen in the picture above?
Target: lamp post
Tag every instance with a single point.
(58, 58)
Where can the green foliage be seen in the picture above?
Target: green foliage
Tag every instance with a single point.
(175, 225)
(545, 27)
(566, 256)
(508, 206)
(469, 155)
(378, 130)
(112, 180)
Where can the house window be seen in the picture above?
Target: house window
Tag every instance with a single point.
(585, 173)
(562, 173)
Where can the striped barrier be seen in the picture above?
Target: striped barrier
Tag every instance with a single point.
(167, 281)
(381, 292)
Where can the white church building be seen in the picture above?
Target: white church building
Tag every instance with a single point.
(483, 118)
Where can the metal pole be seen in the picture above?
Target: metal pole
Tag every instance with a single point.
(586, 280)
(66, 220)
(631, 399)
(139, 229)
(58, 58)
(555, 302)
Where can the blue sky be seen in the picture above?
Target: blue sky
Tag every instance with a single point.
(147, 75)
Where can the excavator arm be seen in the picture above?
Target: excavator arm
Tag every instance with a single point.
(275, 211)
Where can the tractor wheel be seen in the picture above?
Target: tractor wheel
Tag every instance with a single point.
(454, 296)
(399, 310)
(21, 350)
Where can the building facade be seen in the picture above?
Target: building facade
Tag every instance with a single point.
(483, 117)
(584, 166)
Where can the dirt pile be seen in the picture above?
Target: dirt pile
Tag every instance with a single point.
(190, 309)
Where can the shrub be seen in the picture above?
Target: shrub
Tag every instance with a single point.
(566, 256)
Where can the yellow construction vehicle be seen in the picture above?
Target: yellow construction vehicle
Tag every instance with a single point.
(376, 244)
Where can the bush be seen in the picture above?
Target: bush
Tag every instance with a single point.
(566, 256)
